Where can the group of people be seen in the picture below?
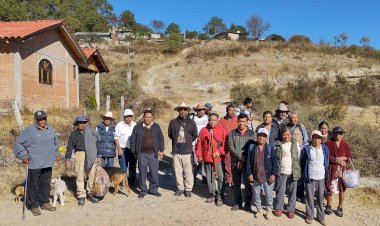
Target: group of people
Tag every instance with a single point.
(276, 156)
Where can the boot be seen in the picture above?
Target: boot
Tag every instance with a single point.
(268, 214)
(81, 201)
(47, 206)
(219, 201)
(328, 210)
(36, 211)
(259, 213)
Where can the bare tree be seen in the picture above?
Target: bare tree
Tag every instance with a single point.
(257, 27)
(344, 38)
(157, 25)
(365, 41)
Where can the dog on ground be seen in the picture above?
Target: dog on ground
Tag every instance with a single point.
(19, 193)
(117, 177)
(59, 187)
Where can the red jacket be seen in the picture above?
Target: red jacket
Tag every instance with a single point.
(202, 148)
(229, 125)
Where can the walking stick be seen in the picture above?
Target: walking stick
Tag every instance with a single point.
(25, 188)
(214, 160)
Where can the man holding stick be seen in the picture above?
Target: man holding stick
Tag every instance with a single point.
(209, 149)
(37, 146)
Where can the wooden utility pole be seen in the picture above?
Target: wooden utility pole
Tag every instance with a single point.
(121, 108)
(108, 103)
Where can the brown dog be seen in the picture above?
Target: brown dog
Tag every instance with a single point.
(117, 176)
(19, 193)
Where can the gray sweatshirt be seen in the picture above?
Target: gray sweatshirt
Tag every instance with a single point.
(39, 145)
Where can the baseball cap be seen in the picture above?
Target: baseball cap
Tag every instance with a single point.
(39, 114)
(128, 112)
(263, 131)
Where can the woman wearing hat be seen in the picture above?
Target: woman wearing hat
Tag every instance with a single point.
(340, 154)
(107, 147)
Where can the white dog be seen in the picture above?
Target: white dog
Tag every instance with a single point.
(59, 188)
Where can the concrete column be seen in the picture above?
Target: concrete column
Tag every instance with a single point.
(77, 71)
(97, 91)
(17, 73)
(67, 82)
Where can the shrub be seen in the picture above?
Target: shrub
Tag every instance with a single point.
(91, 103)
(173, 43)
(155, 104)
(299, 39)
(275, 38)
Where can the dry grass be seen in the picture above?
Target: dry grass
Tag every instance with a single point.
(368, 197)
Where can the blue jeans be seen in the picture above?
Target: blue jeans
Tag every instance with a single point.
(268, 188)
(107, 161)
(128, 161)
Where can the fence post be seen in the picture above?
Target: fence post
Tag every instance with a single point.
(16, 111)
(121, 107)
(108, 103)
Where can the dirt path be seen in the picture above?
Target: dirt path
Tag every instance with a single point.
(169, 210)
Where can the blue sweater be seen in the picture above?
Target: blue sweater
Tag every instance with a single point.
(39, 145)
(270, 161)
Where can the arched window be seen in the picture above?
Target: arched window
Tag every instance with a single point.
(45, 70)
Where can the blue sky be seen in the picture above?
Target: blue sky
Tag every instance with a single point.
(317, 19)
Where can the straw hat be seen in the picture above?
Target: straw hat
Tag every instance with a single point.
(182, 105)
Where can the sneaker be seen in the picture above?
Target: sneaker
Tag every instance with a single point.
(339, 212)
(36, 211)
(157, 194)
(259, 213)
(268, 214)
(93, 199)
(322, 222)
(308, 221)
(236, 207)
(47, 206)
(291, 215)
(188, 194)
(328, 210)
(178, 193)
(278, 213)
(248, 207)
(81, 201)
(141, 195)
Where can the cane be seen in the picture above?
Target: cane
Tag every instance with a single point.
(25, 188)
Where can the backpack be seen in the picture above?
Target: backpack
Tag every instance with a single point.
(101, 182)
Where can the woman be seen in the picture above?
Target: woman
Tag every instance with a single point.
(324, 128)
(340, 154)
(288, 157)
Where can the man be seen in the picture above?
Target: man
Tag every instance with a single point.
(210, 150)
(182, 131)
(85, 143)
(271, 126)
(147, 142)
(237, 141)
(208, 109)
(314, 166)
(229, 123)
(282, 112)
(298, 130)
(262, 168)
(123, 132)
(201, 121)
(37, 146)
(299, 133)
(246, 109)
(107, 148)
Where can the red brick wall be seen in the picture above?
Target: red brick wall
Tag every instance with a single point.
(52, 47)
(6, 74)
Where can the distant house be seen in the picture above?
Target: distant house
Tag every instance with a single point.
(229, 35)
(123, 34)
(155, 36)
(94, 36)
(40, 63)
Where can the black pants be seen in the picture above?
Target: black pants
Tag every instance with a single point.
(38, 188)
(300, 189)
(130, 162)
(240, 176)
(150, 160)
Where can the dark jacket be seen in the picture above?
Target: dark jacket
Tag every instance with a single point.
(270, 162)
(274, 132)
(107, 146)
(190, 131)
(237, 143)
(305, 158)
(137, 135)
(296, 166)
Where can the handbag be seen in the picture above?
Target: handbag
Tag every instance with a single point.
(351, 177)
